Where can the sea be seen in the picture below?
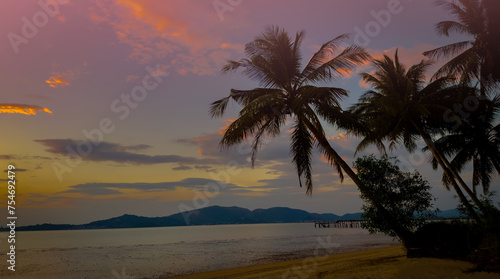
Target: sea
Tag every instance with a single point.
(142, 253)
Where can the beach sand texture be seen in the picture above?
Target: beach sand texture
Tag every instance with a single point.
(381, 263)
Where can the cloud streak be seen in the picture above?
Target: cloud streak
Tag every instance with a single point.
(58, 80)
(114, 188)
(112, 152)
(23, 109)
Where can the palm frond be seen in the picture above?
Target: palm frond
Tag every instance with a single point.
(325, 70)
(232, 65)
(301, 150)
(448, 50)
(317, 96)
(244, 97)
(218, 107)
(445, 27)
(241, 97)
(321, 56)
(464, 66)
(270, 127)
(253, 118)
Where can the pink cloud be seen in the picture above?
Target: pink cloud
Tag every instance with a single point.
(238, 47)
(169, 33)
(407, 56)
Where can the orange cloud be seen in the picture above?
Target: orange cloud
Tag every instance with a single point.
(222, 130)
(363, 83)
(167, 34)
(346, 73)
(58, 80)
(323, 158)
(63, 78)
(238, 47)
(337, 137)
(61, 18)
(408, 56)
(138, 24)
(131, 78)
(22, 109)
(345, 141)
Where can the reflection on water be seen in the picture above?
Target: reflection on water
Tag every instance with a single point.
(155, 252)
(168, 235)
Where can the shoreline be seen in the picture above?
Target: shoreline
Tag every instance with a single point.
(387, 262)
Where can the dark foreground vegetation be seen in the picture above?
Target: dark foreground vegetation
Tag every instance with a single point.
(406, 197)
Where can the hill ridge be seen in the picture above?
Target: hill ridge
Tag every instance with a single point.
(211, 215)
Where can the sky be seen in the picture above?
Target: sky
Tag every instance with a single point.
(104, 104)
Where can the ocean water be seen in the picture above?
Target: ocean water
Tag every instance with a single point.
(168, 251)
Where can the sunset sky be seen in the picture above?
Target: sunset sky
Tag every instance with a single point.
(104, 104)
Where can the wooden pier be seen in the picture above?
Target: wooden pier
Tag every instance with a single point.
(357, 223)
(339, 224)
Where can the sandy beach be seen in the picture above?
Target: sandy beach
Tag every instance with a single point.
(381, 263)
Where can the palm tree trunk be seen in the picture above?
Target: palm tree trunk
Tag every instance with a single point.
(482, 82)
(403, 234)
(462, 182)
(448, 173)
(452, 170)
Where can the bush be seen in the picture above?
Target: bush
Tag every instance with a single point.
(487, 256)
(404, 195)
(458, 240)
(452, 240)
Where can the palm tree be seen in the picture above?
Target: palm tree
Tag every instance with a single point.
(401, 108)
(476, 140)
(287, 92)
(477, 59)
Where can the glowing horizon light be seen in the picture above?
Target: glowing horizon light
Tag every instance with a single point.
(22, 109)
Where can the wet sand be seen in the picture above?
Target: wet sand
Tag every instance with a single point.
(381, 263)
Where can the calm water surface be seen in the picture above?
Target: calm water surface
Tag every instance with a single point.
(168, 251)
(169, 235)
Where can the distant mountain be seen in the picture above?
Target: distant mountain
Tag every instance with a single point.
(352, 216)
(286, 215)
(213, 215)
